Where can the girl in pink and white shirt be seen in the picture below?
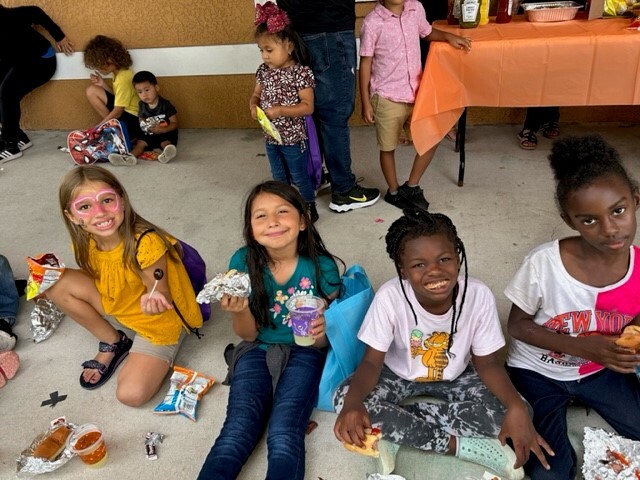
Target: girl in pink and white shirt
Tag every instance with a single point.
(390, 70)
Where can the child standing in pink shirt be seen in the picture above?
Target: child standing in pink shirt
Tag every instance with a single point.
(390, 71)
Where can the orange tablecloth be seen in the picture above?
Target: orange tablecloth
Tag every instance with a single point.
(521, 64)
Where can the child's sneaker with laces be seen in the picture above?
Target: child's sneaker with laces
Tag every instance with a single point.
(126, 160)
(9, 151)
(357, 197)
(413, 195)
(24, 142)
(168, 154)
(386, 461)
(490, 453)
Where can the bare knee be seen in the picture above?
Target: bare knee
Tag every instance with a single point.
(94, 92)
(131, 396)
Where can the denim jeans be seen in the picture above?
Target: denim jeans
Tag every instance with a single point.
(289, 165)
(8, 294)
(253, 406)
(333, 61)
(614, 396)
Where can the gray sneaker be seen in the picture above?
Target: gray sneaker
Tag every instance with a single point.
(118, 160)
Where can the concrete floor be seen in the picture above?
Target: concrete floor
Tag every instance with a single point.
(505, 209)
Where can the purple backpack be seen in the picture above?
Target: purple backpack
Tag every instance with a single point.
(314, 157)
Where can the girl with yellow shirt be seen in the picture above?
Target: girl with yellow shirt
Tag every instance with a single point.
(129, 269)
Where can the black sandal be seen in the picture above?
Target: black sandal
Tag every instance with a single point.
(528, 139)
(550, 130)
(121, 350)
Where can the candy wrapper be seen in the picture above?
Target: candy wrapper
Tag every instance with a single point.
(186, 388)
(233, 283)
(45, 318)
(27, 464)
(608, 456)
(44, 271)
(268, 127)
(151, 440)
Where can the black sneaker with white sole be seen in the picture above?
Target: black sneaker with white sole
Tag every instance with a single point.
(414, 196)
(357, 197)
(9, 151)
(24, 142)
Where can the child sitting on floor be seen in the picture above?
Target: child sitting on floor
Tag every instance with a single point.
(421, 331)
(108, 56)
(158, 122)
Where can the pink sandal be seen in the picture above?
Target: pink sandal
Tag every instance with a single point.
(9, 363)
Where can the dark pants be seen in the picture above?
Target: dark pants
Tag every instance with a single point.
(16, 80)
(9, 297)
(253, 406)
(538, 116)
(614, 396)
(333, 61)
(289, 165)
(131, 122)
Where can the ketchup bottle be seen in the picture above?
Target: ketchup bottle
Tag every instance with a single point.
(504, 11)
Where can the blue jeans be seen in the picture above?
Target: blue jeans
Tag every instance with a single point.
(333, 61)
(253, 406)
(289, 165)
(8, 293)
(614, 396)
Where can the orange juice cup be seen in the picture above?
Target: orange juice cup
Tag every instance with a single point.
(87, 442)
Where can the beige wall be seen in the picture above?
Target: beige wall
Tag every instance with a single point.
(218, 101)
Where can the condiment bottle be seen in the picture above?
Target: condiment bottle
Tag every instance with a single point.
(470, 14)
(504, 11)
(484, 12)
(453, 12)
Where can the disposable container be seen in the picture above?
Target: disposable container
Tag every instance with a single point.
(551, 11)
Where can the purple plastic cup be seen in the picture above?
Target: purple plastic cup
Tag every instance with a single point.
(302, 311)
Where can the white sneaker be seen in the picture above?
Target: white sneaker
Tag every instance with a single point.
(489, 453)
(7, 342)
(168, 154)
(386, 461)
(118, 160)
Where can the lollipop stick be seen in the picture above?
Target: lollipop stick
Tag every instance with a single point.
(157, 274)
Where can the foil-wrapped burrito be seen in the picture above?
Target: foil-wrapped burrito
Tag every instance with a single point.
(608, 456)
(45, 318)
(232, 283)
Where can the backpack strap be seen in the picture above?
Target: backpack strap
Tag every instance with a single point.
(191, 329)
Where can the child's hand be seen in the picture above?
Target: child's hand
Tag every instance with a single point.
(318, 327)
(254, 113)
(350, 424)
(97, 79)
(461, 43)
(65, 46)
(234, 304)
(155, 303)
(517, 425)
(602, 349)
(273, 112)
(367, 113)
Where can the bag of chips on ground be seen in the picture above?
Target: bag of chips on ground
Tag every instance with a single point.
(44, 270)
(186, 388)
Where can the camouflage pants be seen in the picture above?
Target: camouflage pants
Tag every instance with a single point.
(468, 409)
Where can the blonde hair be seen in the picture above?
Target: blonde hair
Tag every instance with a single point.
(132, 225)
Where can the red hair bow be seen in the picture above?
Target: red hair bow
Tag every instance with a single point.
(270, 14)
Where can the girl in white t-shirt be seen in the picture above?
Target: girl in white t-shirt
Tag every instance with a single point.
(572, 298)
(422, 329)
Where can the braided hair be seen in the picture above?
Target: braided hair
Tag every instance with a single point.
(420, 223)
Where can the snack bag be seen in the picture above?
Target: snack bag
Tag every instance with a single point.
(185, 391)
(44, 270)
(267, 126)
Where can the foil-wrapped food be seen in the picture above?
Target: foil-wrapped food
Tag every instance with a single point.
(232, 283)
(608, 456)
(48, 451)
(45, 318)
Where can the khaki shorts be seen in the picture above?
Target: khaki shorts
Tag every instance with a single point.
(145, 347)
(390, 118)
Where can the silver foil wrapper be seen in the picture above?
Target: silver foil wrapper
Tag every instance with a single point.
(233, 283)
(608, 456)
(27, 464)
(45, 318)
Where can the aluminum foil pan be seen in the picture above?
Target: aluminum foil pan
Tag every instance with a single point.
(608, 456)
(551, 11)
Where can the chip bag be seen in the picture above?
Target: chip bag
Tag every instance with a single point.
(186, 388)
(268, 127)
(44, 270)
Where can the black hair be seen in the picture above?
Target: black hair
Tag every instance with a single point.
(144, 76)
(577, 162)
(310, 245)
(300, 53)
(420, 223)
